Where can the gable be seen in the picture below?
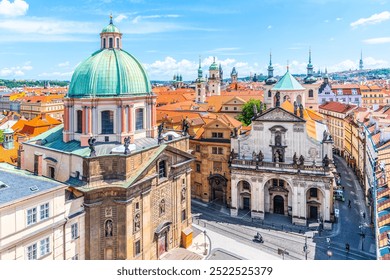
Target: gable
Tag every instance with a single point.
(278, 114)
(234, 101)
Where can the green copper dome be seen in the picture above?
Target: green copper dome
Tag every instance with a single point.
(107, 73)
(110, 29)
(214, 66)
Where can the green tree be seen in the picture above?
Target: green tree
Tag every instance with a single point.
(1, 136)
(247, 111)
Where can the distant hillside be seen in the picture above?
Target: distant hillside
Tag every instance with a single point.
(31, 83)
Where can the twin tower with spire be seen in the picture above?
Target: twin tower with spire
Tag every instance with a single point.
(210, 85)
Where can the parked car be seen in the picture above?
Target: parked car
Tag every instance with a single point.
(338, 195)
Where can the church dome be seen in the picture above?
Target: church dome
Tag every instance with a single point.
(111, 28)
(271, 81)
(214, 66)
(110, 71)
(310, 79)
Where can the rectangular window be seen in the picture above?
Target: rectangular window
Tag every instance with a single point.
(45, 246)
(52, 172)
(217, 150)
(107, 122)
(137, 247)
(313, 192)
(198, 167)
(235, 108)
(226, 108)
(161, 169)
(31, 216)
(139, 119)
(75, 231)
(44, 211)
(197, 148)
(32, 252)
(217, 134)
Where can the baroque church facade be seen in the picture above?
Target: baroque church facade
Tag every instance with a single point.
(135, 180)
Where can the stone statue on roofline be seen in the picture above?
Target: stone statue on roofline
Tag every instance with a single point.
(301, 160)
(301, 110)
(295, 159)
(126, 144)
(160, 130)
(295, 108)
(91, 143)
(185, 127)
(326, 161)
(277, 103)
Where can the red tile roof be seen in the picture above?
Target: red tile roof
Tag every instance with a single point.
(337, 107)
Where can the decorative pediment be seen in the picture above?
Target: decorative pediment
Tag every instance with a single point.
(278, 114)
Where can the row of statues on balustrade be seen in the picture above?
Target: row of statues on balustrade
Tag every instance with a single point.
(126, 140)
(259, 157)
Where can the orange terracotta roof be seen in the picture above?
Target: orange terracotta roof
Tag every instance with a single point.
(337, 107)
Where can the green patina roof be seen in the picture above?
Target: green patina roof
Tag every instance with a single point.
(107, 73)
(110, 28)
(214, 66)
(288, 82)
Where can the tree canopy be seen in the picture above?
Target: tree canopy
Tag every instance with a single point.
(247, 111)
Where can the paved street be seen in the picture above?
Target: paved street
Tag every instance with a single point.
(281, 236)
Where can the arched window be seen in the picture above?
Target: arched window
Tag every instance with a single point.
(139, 119)
(299, 100)
(104, 43)
(107, 122)
(269, 93)
(79, 124)
(117, 43)
(110, 43)
(311, 93)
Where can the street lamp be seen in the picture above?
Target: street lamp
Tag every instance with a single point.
(329, 253)
(205, 245)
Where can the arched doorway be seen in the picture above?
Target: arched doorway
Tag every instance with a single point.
(218, 185)
(314, 201)
(278, 204)
(244, 189)
(277, 197)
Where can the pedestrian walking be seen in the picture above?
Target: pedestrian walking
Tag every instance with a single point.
(364, 215)
(347, 247)
(349, 203)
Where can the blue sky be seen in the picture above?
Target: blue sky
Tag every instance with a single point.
(43, 39)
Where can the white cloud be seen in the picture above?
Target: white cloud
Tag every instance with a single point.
(375, 18)
(63, 64)
(370, 62)
(15, 8)
(137, 19)
(381, 40)
(338, 19)
(343, 66)
(120, 18)
(47, 26)
(15, 70)
(326, 21)
(269, 26)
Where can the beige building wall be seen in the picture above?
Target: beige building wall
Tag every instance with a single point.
(16, 235)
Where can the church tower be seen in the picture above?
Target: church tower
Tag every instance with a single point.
(200, 85)
(233, 75)
(214, 82)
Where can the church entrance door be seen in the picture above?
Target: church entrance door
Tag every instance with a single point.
(278, 205)
(313, 212)
(247, 203)
(162, 244)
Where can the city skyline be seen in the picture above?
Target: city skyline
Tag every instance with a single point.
(48, 40)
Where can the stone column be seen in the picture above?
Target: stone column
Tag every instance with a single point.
(234, 194)
(89, 120)
(123, 119)
(84, 120)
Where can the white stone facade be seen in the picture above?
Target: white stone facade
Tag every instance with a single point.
(278, 182)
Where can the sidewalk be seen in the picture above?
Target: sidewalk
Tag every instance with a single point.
(223, 247)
